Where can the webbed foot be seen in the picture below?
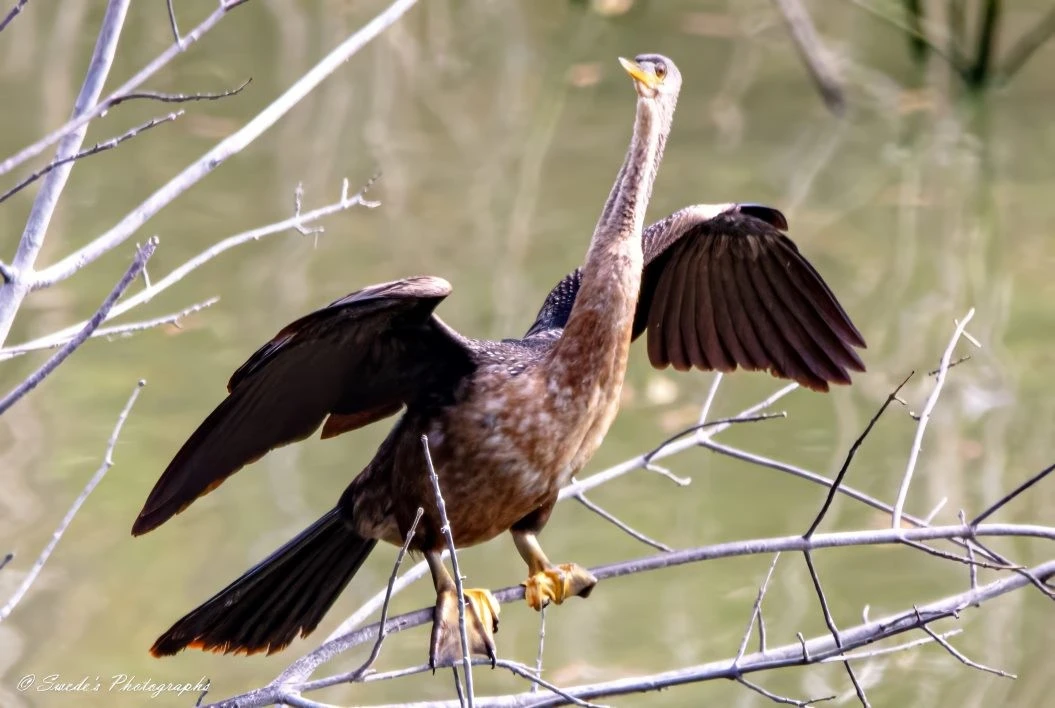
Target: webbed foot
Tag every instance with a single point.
(557, 583)
(481, 623)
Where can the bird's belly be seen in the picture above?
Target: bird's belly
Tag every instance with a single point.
(503, 454)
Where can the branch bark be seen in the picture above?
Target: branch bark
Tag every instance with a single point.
(20, 281)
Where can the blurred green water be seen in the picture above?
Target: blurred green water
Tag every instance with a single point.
(499, 127)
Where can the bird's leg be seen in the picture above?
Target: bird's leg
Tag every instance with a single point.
(547, 582)
(481, 618)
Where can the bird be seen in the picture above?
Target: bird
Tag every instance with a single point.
(506, 424)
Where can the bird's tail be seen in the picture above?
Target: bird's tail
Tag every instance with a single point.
(285, 594)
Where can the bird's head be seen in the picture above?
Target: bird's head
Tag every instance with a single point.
(655, 76)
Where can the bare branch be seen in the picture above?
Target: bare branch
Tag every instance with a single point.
(612, 518)
(6, 559)
(712, 392)
(445, 529)
(180, 97)
(813, 650)
(93, 150)
(541, 644)
(952, 650)
(125, 330)
(924, 418)
(777, 698)
(95, 110)
(33, 380)
(830, 621)
(201, 259)
(12, 14)
(32, 240)
(226, 148)
(107, 463)
(358, 674)
(873, 653)
(756, 611)
(673, 448)
(721, 422)
(173, 25)
(1011, 495)
(853, 451)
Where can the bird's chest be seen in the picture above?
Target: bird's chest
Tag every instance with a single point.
(506, 448)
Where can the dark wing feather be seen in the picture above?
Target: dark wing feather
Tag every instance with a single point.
(357, 360)
(759, 304)
(723, 288)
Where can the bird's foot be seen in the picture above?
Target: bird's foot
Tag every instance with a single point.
(481, 623)
(557, 583)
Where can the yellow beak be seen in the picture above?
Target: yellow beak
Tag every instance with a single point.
(648, 78)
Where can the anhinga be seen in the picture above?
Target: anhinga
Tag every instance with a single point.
(508, 423)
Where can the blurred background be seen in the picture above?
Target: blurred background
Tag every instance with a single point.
(499, 127)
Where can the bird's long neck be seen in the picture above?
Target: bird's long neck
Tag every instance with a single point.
(596, 337)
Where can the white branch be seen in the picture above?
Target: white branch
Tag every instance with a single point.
(226, 148)
(97, 109)
(12, 295)
(107, 463)
(143, 296)
(53, 341)
(924, 418)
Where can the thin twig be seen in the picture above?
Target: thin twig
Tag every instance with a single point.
(853, 451)
(972, 569)
(541, 645)
(125, 330)
(756, 611)
(98, 108)
(924, 418)
(1012, 494)
(376, 651)
(873, 653)
(12, 14)
(458, 687)
(33, 380)
(172, 24)
(93, 150)
(207, 255)
(830, 621)
(959, 655)
(968, 560)
(612, 518)
(712, 392)
(448, 535)
(181, 97)
(649, 456)
(107, 463)
(784, 700)
(6, 559)
(961, 360)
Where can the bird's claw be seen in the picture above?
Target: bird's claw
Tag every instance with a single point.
(481, 623)
(558, 583)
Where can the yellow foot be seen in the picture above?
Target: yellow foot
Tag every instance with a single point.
(481, 623)
(557, 584)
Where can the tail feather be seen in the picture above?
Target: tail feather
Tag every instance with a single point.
(286, 594)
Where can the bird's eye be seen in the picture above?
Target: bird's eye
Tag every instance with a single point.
(661, 69)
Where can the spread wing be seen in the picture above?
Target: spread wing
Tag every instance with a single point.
(355, 361)
(723, 288)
